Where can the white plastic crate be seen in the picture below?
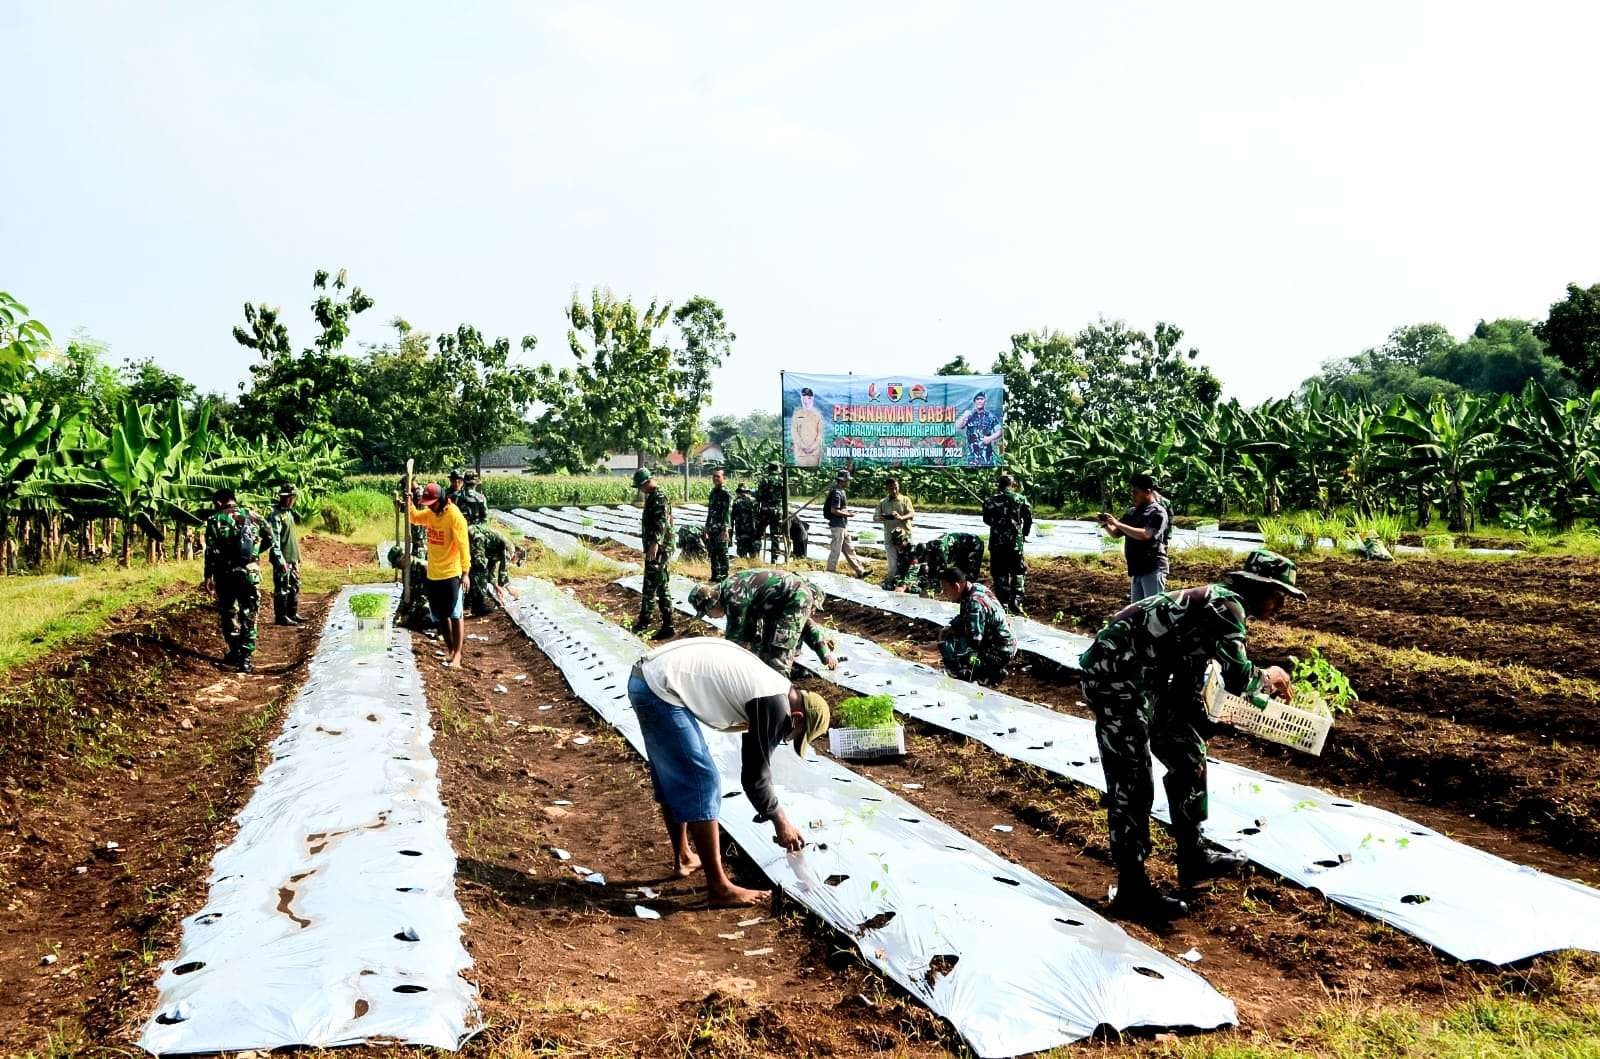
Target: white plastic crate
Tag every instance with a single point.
(1276, 722)
(854, 743)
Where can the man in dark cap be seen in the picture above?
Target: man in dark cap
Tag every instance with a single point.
(449, 564)
(1145, 530)
(769, 503)
(1142, 678)
(655, 527)
(836, 509)
(235, 538)
(473, 504)
(284, 553)
(458, 478)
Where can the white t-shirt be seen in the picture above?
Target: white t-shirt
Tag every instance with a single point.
(714, 678)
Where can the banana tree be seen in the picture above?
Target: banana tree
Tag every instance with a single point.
(25, 432)
(1555, 448)
(1447, 439)
(1214, 447)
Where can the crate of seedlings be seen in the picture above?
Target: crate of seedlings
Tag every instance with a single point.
(864, 727)
(1320, 691)
(372, 616)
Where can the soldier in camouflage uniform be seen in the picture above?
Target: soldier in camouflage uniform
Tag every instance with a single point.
(458, 479)
(769, 612)
(978, 645)
(284, 553)
(655, 527)
(719, 521)
(235, 538)
(982, 428)
(473, 504)
(1009, 517)
(416, 614)
(1142, 677)
(483, 544)
(769, 505)
(746, 524)
(928, 560)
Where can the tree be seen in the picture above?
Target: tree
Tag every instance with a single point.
(706, 342)
(1500, 356)
(753, 426)
(22, 340)
(490, 395)
(958, 366)
(1042, 372)
(616, 398)
(1448, 438)
(78, 377)
(148, 383)
(332, 314)
(1555, 448)
(1571, 334)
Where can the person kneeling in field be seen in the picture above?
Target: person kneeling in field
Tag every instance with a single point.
(1142, 677)
(979, 644)
(769, 612)
(704, 680)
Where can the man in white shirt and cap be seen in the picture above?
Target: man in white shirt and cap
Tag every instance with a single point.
(679, 686)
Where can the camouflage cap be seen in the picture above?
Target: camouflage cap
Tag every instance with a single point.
(1269, 568)
(817, 720)
(702, 598)
(471, 475)
(641, 476)
(457, 472)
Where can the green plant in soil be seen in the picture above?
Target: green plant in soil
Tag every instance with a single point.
(369, 604)
(866, 711)
(1319, 686)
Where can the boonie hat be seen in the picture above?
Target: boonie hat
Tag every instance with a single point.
(817, 719)
(641, 476)
(472, 476)
(702, 598)
(1269, 568)
(456, 472)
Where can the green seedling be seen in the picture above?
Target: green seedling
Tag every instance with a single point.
(369, 604)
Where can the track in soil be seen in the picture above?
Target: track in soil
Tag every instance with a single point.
(165, 796)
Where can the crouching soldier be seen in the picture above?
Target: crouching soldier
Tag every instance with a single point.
(415, 614)
(488, 550)
(979, 644)
(769, 612)
(1142, 677)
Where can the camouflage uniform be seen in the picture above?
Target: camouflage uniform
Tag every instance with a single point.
(746, 525)
(719, 521)
(1009, 517)
(769, 612)
(979, 426)
(769, 504)
(913, 575)
(656, 529)
(979, 644)
(232, 564)
(899, 542)
(473, 504)
(964, 551)
(1142, 677)
(284, 554)
(416, 614)
(484, 545)
(692, 542)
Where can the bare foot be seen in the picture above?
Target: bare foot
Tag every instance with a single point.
(687, 866)
(738, 897)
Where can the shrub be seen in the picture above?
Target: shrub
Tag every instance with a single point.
(336, 518)
(1439, 542)
(866, 711)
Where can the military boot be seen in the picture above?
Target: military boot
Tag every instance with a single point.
(1198, 863)
(1137, 898)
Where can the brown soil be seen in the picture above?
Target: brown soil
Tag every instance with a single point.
(333, 553)
(1276, 949)
(568, 965)
(163, 784)
(1497, 745)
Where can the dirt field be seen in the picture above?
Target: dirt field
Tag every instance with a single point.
(566, 967)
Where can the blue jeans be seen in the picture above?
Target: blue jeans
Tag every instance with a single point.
(1147, 585)
(685, 779)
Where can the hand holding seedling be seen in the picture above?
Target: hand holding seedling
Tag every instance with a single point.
(787, 835)
(1278, 684)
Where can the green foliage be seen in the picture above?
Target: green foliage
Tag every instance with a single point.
(1572, 334)
(865, 711)
(1317, 680)
(369, 604)
(507, 491)
(23, 340)
(336, 518)
(1424, 361)
(490, 394)
(707, 341)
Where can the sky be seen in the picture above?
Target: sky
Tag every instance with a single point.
(862, 187)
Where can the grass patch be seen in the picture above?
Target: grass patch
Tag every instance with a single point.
(39, 614)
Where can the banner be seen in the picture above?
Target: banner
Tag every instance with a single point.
(892, 420)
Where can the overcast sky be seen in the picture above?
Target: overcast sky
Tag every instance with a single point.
(866, 187)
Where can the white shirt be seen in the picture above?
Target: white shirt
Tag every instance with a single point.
(712, 677)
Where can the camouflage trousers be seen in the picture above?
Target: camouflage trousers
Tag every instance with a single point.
(1133, 718)
(656, 577)
(782, 629)
(771, 527)
(717, 552)
(965, 660)
(238, 603)
(285, 591)
(898, 551)
(1010, 576)
(748, 547)
(416, 614)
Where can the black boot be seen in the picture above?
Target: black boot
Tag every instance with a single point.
(1138, 899)
(642, 624)
(667, 631)
(244, 664)
(1196, 864)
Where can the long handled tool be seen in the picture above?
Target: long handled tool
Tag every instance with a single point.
(405, 580)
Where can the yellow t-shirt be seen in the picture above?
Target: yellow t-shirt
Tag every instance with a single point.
(448, 552)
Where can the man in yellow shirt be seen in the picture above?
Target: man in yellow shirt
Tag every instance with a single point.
(449, 560)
